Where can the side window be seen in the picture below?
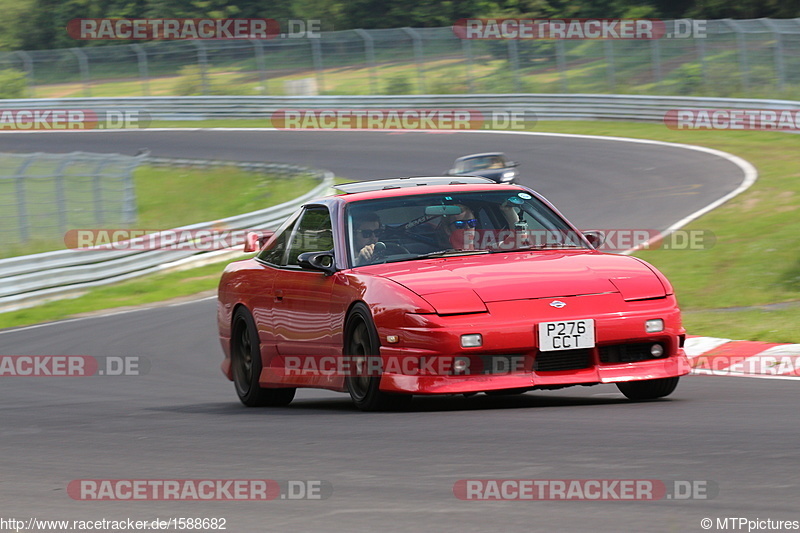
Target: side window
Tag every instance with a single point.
(274, 254)
(314, 233)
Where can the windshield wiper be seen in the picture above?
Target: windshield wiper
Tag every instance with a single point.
(450, 252)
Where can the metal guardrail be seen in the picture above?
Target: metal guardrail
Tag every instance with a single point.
(32, 279)
(544, 106)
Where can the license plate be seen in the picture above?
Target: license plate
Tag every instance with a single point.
(566, 335)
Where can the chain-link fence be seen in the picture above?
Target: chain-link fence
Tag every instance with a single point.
(742, 58)
(43, 195)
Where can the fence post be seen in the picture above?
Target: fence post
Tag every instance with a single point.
(27, 64)
(22, 212)
(316, 54)
(466, 49)
(83, 65)
(701, 57)
(780, 67)
(608, 45)
(418, 57)
(656, 51)
(99, 215)
(202, 62)
(369, 55)
(258, 49)
(141, 57)
(561, 65)
(744, 66)
(513, 60)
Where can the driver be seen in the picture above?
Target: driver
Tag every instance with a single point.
(366, 233)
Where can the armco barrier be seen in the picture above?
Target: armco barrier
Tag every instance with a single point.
(544, 106)
(32, 279)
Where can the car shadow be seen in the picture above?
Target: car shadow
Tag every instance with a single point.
(420, 404)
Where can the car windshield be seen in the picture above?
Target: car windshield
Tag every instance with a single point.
(484, 163)
(406, 228)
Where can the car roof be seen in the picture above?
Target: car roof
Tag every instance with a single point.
(422, 185)
(411, 181)
(485, 154)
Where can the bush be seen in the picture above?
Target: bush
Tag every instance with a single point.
(190, 83)
(13, 83)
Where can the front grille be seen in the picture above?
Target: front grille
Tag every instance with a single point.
(626, 353)
(562, 360)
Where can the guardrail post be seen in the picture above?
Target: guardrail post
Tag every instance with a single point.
(27, 64)
(316, 54)
(141, 56)
(258, 49)
(561, 65)
(369, 55)
(418, 57)
(83, 65)
(608, 45)
(202, 62)
(513, 60)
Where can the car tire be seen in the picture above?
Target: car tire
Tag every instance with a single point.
(362, 348)
(246, 365)
(649, 389)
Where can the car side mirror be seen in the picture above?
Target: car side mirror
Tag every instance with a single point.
(322, 261)
(595, 238)
(255, 240)
(513, 164)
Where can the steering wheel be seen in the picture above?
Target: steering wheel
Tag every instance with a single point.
(384, 249)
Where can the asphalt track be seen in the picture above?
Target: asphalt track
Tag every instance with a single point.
(394, 471)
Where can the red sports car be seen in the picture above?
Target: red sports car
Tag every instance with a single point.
(442, 285)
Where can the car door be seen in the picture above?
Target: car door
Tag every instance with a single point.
(302, 316)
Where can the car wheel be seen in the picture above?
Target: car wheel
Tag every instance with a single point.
(362, 349)
(246, 362)
(648, 389)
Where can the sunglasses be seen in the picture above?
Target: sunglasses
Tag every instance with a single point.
(462, 224)
(367, 233)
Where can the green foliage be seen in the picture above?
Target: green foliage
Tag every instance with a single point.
(190, 83)
(12, 83)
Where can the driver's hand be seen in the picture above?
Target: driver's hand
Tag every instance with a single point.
(365, 255)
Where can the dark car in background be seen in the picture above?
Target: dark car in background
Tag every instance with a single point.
(492, 165)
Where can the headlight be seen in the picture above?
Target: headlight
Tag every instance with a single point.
(509, 174)
(654, 326)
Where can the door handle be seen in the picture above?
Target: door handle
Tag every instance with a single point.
(279, 295)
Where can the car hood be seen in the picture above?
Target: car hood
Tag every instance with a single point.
(465, 283)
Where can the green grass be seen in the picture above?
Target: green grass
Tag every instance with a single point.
(754, 261)
(172, 197)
